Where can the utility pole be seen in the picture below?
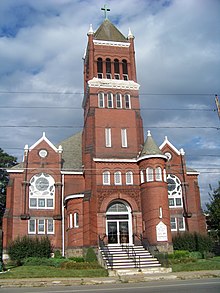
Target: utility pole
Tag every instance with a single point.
(217, 105)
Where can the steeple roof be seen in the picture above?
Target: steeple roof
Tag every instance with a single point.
(108, 32)
(150, 147)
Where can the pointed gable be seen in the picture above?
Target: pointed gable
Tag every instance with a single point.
(44, 138)
(171, 146)
(108, 32)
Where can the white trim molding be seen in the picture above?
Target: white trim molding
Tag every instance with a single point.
(15, 170)
(71, 172)
(113, 84)
(166, 141)
(73, 196)
(151, 156)
(111, 43)
(113, 160)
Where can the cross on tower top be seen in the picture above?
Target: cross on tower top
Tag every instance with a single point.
(105, 10)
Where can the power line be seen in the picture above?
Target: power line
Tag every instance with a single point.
(81, 93)
(80, 108)
(80, 126)
(187, 154)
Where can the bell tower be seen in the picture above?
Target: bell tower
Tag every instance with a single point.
(113, 128)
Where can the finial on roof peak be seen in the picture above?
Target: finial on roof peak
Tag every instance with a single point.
(90, 32)
(148, 133)
(26, 147)
(44, 134)
(130, 35)
(182, 152)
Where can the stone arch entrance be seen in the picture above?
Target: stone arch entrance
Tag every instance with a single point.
(119, 223)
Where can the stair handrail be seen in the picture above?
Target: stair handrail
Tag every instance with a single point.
(105, 250)
(132, 255)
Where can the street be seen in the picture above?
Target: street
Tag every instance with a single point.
(180, 286)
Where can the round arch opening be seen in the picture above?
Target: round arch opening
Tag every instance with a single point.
(119, 223)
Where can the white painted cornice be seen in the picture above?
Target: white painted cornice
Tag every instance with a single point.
(113, 83)
(111, 43)
(114, 160)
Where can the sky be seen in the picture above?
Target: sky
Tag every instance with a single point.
(177, 46)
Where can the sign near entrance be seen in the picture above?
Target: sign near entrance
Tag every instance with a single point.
(161, 229)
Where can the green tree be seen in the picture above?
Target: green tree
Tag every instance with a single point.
(213, 210)
(6, 161)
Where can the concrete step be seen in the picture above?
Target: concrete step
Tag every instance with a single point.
(128, 257)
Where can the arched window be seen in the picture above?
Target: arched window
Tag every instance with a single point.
(118, 100)
(142, 176)
(117, 178)
(110, 100)
(108, 137)
(129, 178)
(150, 174)
(127, 101)
(164, 175)
(106, 178)
(125, 69)
(41, 192)
(117, 207)
(108, 68)
(158, 174)
(70, 221)
(76, 220)
(100, 67)
(116, 69)
(174, 191)
(101, 100)
(124, 138)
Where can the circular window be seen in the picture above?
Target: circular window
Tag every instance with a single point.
(42, 184)
(174, 185)
(43, 153)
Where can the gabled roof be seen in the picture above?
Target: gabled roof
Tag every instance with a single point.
(166, 141)
(71, 155)
(150, 147)
(108, 32)
(44, 138)
(72, 152)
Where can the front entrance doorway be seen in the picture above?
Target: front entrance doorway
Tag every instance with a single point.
(118, 224)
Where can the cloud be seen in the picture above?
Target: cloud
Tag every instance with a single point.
(178, 66)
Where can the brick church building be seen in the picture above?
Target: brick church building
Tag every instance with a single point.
(104, 183)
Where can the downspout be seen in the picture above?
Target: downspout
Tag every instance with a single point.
(63, 219)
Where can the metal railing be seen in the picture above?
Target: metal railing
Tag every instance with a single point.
(132, 255)
(105, 250)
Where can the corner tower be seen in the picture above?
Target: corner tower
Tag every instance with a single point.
(113, 131)
(111, 93)
(154, 197)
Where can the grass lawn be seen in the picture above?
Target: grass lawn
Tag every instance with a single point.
(199, 265)
(51, 272)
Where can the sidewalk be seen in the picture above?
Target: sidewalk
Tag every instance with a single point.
(46, 282)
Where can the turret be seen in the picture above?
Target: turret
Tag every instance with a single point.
(154, 197)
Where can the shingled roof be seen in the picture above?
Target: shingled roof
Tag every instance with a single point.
(108, 32)
(150, 147)
(72, 152)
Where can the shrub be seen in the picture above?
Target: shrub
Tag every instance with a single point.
(90, 255)
(195, 254)
(25, 247)
(192, 242)
(43, 261)
(77, 259)
(184, 241)
(57, 254)
(80, 266)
